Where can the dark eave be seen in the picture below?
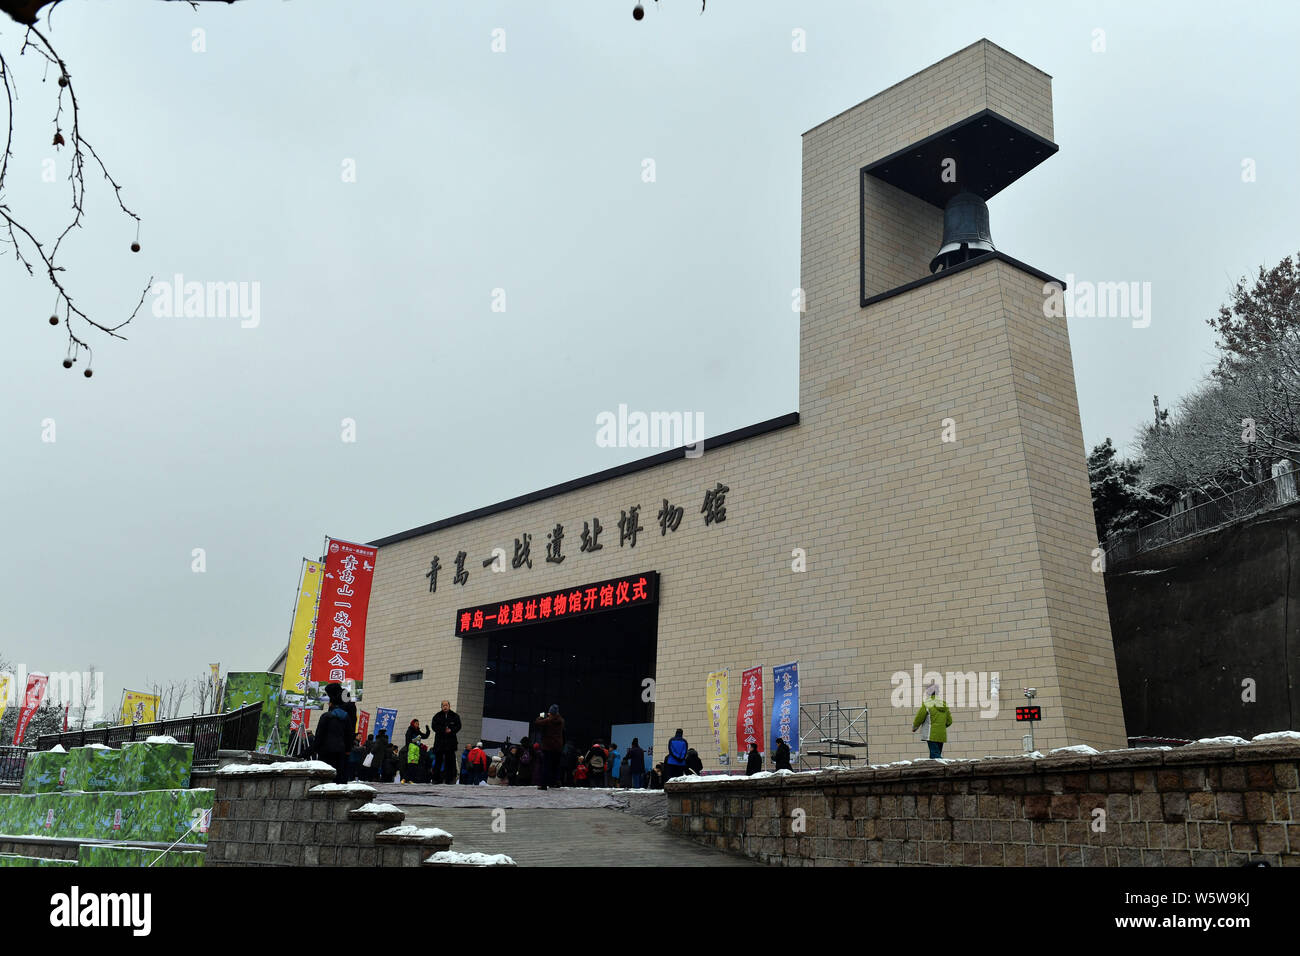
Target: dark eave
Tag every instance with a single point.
(641, 464)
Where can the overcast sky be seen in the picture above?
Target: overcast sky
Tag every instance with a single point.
(521, 170)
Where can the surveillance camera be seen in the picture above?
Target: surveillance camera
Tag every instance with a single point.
(1031, 692)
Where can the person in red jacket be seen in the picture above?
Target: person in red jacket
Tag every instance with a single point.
(478, 763)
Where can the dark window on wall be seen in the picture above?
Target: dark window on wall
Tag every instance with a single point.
(405, 676)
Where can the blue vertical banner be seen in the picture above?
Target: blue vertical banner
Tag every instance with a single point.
(785, 705)
(385, 720)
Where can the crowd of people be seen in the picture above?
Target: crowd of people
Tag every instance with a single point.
(544, 759)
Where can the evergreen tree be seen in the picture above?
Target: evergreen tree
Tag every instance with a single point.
(1118, 502)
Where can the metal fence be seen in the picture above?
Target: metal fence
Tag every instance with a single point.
(208, 733)
(1261, 496)
(12, 762)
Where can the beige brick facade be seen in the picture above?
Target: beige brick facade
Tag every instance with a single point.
(971, 555)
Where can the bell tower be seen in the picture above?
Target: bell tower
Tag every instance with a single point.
(932, 378)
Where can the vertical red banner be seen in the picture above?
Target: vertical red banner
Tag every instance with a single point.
(363, 723)
(749, 715)
(36, 684)
(339, 645)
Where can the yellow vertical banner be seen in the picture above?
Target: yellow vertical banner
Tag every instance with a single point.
(138, 708)
(716, 694)
(304, 621)
(5, 680)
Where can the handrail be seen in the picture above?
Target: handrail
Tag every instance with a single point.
(1243, 503)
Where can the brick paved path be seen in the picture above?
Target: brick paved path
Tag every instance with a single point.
(564, 827)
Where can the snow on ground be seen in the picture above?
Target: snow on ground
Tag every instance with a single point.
(162, 739)
(413, 831)
(472, 859)
(377, 808)
(1225, 739)
(360, 789)
(276, 767)
(1276, 735)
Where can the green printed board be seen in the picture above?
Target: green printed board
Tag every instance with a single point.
(12, 859)
(91, 854)
(159, 816)
(150, 766)
(94, 769)
(45, 772)
(248, 687)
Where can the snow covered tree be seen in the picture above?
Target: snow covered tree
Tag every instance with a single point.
(1119, 502)
(1262, 318)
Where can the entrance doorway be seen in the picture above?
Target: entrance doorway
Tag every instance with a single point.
(594, 667)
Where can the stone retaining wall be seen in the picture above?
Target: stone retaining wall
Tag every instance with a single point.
(1201, 805)
(272, 817)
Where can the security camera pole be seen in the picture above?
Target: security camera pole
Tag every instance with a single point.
(1030, 714)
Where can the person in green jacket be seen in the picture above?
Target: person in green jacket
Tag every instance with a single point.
(940, 718)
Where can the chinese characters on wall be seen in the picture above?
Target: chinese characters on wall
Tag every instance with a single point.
(669, 519)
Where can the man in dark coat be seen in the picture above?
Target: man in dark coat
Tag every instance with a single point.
(445, 724)
(551, 726)
(755, 763)
(635, 759)
(781, 756)
(568, 764)
(694, 765)
(334, 732)
(378, 751)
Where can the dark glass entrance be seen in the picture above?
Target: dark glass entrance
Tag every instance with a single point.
(594, 667)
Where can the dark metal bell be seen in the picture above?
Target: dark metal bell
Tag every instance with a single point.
(965, 231)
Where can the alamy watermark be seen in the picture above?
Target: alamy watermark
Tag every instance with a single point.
(179, 299)
(82, 690)
(959, 689)
(651, 430)
(1098, 300)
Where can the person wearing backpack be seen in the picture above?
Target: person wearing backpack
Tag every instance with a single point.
(411, 752)
(935, 712)
(334, 732)
(675, 762)
(597, 758)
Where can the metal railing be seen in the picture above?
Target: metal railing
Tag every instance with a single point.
(208, 733)
(1242, 503)
(13, 760)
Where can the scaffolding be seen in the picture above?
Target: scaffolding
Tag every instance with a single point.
(832, 735)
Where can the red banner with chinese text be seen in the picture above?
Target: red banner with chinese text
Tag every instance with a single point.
(749, 715)
(363, 723)
(339, 645)
(36, 684)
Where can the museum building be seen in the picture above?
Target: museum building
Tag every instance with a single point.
(925, 510)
